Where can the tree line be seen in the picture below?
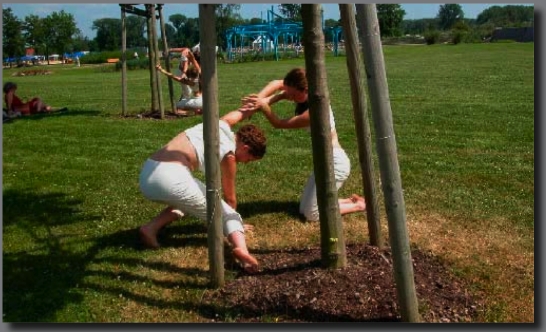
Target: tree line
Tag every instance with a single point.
(58, 32)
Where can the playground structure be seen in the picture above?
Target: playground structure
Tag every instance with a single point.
(261, 39)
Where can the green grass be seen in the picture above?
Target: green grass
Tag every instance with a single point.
(464, 124)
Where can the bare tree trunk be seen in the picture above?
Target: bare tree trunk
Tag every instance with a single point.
(123, 63)
(156, 61)
(362, 125)
(207, 34)
(333, 252)
(151, 60)
(388, 161)
(166, 55)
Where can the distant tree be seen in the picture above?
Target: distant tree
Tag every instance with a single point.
(227, 16)
(418, 27)
(291, 11)
(188, 34)
(448, 15)
(390, 19)
(35, 33)
(12, 39)
(80, 43)
(328, 23)
(256, 20)
(136, 28)
(61, 28)
(108, 33)
(507, 16)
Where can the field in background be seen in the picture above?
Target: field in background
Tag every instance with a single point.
(464, 124)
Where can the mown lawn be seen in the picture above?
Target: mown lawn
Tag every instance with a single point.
(464, 124)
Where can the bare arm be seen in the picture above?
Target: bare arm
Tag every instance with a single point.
(170, 75)
(236, 116)
(228, 166)
(298, 121)
(271, 88)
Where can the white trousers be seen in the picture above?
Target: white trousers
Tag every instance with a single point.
(174, 185)
(342, 170)
(190, 103)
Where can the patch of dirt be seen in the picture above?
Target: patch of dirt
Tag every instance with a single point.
(293, 287)
(32, 72)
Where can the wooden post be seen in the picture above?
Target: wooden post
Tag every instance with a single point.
(166, 55)
(333, 252)
(388, 161)
(123, 63)
(151, 58)
(207, 35)
(362, 125)
(156, 61)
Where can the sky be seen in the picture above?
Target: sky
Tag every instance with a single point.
(85, 13)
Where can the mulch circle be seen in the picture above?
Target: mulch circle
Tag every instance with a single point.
(293, 287)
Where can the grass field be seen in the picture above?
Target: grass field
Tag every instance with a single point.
(464, 123)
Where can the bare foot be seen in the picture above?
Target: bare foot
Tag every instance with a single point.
(249, 263)
(148, 239)
(359, 201)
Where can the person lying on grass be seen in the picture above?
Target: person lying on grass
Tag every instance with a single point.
(294, 88)
(166, 177)
(16, 107)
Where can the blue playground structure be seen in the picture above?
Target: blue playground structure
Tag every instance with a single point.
(264, 38)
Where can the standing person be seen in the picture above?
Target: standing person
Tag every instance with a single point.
(15, 106)
(192, 94)
(294, 88)
(166, 177)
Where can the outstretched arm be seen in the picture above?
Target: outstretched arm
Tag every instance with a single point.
(171, 75)
(237, 116)
(298, 121)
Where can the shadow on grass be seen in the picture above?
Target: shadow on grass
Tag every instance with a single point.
(41, 116)
(43, 274)
(249, 209)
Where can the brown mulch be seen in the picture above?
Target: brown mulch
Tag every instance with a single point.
(293, 287)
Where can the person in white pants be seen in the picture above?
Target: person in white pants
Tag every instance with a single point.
(294, 88)
(166, 177)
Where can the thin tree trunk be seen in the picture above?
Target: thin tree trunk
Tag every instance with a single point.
(207, 34)
(333, 252)
(388, 161)
(362, 125)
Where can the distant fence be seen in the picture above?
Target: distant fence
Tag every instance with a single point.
(526, 34)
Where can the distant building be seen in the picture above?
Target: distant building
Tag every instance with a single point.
(526, 34)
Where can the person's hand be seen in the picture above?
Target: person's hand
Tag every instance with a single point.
(158, 66)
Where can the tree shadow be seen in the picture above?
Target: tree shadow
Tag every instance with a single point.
(43, 277)
(250, 209)
(43, 116)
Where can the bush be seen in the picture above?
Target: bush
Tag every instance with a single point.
(458, 36)
(431, 36)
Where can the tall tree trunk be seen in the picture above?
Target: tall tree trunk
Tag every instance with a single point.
(333, 252)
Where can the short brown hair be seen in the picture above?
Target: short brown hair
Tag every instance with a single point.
(255, 138)
(9, 86)
(296, 78)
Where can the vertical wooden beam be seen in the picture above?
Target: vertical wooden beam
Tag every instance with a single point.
(362, 125)
(166, 55)
(207, 37)
(333, 254)
(123, 63)
(388, 161)
(156, 61)
(151, 58)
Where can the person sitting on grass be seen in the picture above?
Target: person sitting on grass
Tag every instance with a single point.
(166, 177)
(192, 97)
(16, 107)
